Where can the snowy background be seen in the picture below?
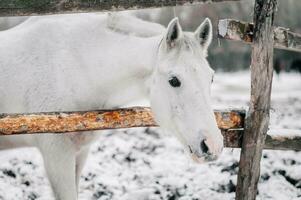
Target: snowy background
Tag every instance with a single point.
(144, 164)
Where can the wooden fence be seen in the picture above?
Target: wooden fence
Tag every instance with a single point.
(248, 131)
(39, 7)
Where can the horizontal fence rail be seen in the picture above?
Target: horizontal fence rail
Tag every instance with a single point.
(275, 139)
(283, 140)
(42, 7)
(243, 31)
(231, 123)
(61, 122)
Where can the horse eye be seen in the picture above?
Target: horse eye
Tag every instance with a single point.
(212, 79)
(174, 82)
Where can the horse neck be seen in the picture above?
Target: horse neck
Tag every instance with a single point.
(141, 54)
(127, 79)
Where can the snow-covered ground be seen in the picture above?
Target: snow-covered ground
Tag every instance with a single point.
(143, 164)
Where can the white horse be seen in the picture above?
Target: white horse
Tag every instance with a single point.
(128, 24)
(75, 62)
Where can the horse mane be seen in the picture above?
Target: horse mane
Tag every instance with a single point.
(130, 25)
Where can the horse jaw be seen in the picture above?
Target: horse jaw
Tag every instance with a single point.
(184, 109)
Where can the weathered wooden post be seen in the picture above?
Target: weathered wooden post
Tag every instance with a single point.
(236, 30)
(258, 116)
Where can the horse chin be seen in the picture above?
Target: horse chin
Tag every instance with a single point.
(203, 159)
(197, 159)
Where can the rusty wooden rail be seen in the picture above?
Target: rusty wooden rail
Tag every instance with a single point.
(61, 122)
(243, 31)
(43, 7)
(275, 139)
(231, 122)
(283, 140)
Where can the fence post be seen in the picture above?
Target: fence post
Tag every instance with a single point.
(258, 116)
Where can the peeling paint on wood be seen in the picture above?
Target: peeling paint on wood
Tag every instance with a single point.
(243, 31)
(42, 7)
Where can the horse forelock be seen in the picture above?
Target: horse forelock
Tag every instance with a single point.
(188, 44)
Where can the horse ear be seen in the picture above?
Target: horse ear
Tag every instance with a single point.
(204, 33)
(174, 33)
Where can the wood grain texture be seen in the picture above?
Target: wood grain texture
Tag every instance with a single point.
(231, 123)
(257, 120)
(243, 31)
(62, 122)
(43, 7)
(283, 140)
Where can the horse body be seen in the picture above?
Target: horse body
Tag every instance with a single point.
(65, 63)
(44, 69)
(131, 25)
(74, 62)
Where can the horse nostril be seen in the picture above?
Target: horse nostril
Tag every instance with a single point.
(204, 147)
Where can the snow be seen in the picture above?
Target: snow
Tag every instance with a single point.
(144, 164)
(289, 133)
(222, 27)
